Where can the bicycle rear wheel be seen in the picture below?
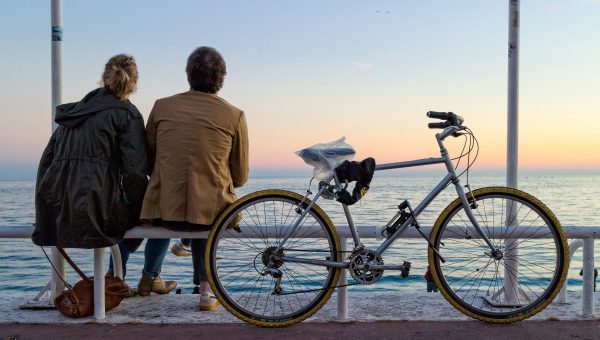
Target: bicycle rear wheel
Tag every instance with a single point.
(513, 284)
(243, 266)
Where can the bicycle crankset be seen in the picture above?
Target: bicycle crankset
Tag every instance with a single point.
(360, 261)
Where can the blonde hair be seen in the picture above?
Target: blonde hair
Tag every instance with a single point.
(120, 75)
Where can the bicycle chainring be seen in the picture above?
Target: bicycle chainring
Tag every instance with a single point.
(359, 263)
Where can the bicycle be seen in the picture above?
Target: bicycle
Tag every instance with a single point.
(496, 254)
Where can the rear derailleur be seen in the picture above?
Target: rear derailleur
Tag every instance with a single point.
(272, 261)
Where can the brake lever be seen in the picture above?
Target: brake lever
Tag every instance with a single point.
(458, 133)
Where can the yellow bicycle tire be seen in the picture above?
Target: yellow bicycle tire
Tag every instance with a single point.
(210, 262)
(509, 192)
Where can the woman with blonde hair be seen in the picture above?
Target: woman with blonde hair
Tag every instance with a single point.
(93, 174)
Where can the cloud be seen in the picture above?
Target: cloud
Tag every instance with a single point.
(396, 55)
(359, 67)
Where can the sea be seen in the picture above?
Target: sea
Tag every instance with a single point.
(573, 197)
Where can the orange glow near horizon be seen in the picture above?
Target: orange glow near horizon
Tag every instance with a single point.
(273, 143)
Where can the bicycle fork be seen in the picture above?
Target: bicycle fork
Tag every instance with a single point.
(461, 193)
(469, 212)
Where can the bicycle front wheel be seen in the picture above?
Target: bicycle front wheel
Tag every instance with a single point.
(251, 277)
(515, 281)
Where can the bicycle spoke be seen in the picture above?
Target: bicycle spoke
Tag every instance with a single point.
(514, 279)
(247, 264)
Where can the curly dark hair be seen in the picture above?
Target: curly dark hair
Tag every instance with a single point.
(206, 70)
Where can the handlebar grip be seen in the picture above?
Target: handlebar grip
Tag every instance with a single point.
(441, 125)
(439, 115)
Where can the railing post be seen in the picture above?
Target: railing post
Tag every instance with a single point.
(342, 293)
(588, 278)
(99, 309)
(573, 246)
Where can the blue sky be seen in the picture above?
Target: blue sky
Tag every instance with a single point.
(312, 71)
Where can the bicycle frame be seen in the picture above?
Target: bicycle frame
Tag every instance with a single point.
(283, 260)
(451, 177)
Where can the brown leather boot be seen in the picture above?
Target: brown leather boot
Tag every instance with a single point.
(156, 285)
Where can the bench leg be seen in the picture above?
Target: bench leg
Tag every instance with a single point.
(117, 265)
(99, 310)
(57, 286)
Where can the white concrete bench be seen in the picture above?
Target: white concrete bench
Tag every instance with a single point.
(137, 232)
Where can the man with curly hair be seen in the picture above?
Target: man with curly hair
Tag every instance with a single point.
(198, 152)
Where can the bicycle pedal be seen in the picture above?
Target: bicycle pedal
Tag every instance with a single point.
(405, 269)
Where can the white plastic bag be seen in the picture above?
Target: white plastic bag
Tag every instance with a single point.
(324, 157)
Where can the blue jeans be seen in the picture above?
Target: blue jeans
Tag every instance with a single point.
(198, 255)
(154, 254)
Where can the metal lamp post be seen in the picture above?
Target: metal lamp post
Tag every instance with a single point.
(57, 286)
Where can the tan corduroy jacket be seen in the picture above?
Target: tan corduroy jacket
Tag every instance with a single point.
(198, 144)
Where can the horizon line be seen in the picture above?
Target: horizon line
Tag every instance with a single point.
(30, 172)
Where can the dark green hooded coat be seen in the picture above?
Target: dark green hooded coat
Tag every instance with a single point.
(93, 174)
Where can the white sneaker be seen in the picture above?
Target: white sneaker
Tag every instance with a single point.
(180, 249)
(208, 302)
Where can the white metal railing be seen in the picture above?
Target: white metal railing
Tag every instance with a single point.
(584, 236)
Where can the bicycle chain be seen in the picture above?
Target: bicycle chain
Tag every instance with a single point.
(320, 289)
(317, 290)
(319, 251)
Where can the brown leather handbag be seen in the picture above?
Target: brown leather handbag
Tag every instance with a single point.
(78, 300)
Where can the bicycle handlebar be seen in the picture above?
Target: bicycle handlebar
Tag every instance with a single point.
(449, 117)
(441, 125)
(439, 115)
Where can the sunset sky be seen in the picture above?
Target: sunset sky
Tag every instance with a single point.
(312, 71)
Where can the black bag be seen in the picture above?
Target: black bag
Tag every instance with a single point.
(361, 172)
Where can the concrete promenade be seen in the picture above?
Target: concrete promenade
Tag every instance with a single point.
(371, 315)
(446, 330)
